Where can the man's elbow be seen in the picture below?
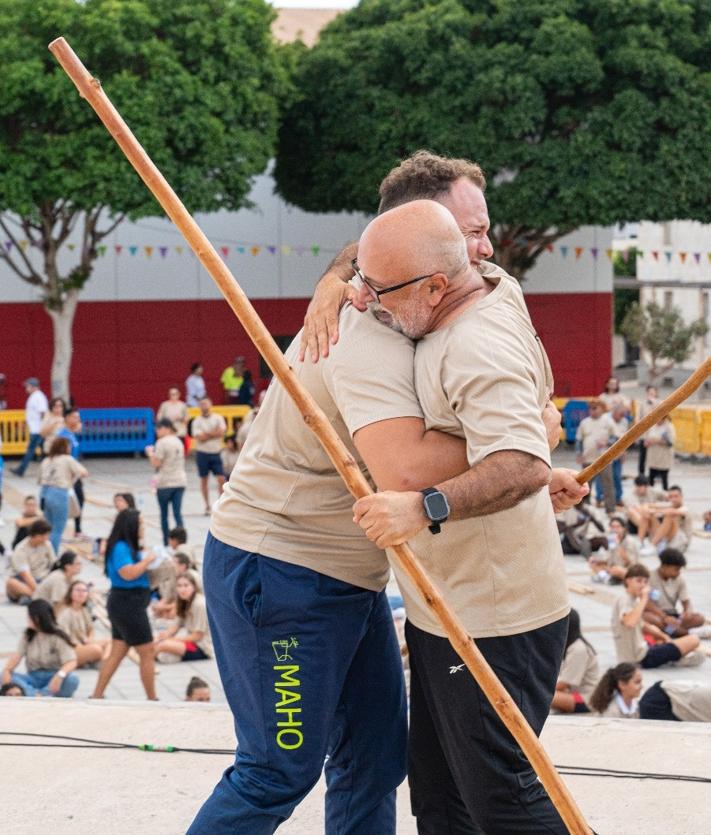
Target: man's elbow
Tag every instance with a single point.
(403, 479)
(539, 475)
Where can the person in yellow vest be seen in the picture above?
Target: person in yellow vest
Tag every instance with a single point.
(232, 378)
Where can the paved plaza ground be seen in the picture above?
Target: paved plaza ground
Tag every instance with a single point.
(168, 789)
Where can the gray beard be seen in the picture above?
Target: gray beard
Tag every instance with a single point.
(383, 316)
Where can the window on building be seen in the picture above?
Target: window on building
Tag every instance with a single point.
(705, 313)
(668, 299)
(667, 234)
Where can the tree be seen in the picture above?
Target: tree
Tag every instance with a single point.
(624, 265)
(662, 333)
(199, 82)
(580, 111)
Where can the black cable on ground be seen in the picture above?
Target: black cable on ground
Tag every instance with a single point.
(567, 770)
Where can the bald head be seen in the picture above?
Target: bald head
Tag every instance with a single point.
(417, 238)
(413, 263)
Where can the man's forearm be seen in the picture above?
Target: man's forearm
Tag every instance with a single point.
(499, 482)
(341, 264)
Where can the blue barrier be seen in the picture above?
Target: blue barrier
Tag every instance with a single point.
(573, 412)
(116, 430)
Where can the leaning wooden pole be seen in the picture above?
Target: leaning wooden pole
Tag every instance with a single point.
(634, 433)
(90, 89)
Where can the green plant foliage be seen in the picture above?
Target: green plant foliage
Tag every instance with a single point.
(580, 111)
(662, 333)
(198, 81)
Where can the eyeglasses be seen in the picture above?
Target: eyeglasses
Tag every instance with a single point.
(378, 293)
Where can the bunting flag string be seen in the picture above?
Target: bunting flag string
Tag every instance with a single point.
(679, 258)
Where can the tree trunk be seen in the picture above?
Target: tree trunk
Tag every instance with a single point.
(62, 323)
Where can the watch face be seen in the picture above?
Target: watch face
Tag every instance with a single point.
(436, 507)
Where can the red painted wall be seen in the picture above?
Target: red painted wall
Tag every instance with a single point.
(576, 329)
(129, 353)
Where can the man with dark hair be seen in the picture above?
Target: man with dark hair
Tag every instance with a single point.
(670, 523)
(669, 606)
(426, 176)
(31, 561)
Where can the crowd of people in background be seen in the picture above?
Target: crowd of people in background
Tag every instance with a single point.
(155, 606)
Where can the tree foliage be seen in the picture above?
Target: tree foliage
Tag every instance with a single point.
(199, 82)
(662, 333)
(580, 111)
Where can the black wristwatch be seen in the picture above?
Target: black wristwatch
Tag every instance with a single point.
(436, 508)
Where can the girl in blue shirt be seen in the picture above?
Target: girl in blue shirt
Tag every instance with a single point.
(128, 601)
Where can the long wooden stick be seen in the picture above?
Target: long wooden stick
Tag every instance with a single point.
(635, 432)
(511, 716)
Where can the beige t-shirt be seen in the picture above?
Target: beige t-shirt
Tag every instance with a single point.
(671, 592)
(580, 668)
(45, 652)
(38, 560)
(60, 471)
(691, 701)
(651, 496)
(284, 498)
(211, 423)
(229, 459)
(196, 621)
(76, 623)
(485, 378)
(51, 424)
(629, 641)
(661, 456)
(171, 454)
(595, 433)
(245, 426)
(53, 588)
(615, 709)
(177, 413)
(631, 550)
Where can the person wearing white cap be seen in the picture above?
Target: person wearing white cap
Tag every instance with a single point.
(35, 409)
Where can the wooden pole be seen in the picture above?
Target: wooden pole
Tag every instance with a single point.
(90, 89)
(635, 432)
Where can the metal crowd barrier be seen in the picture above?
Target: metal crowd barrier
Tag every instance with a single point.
(14, 432)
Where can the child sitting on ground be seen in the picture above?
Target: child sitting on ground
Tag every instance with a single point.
(30, 513)
(622, 551)
(667, 591)
(198, 690)
(628, 627)
(30, 562)
(56, 584)
(192, 616)
(670, 524)
(617, 692)
(163, 577)
(578, 673)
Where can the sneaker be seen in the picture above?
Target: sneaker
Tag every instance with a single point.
(601, 577)
(647, 549)
(701, 631)
(16, 471)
